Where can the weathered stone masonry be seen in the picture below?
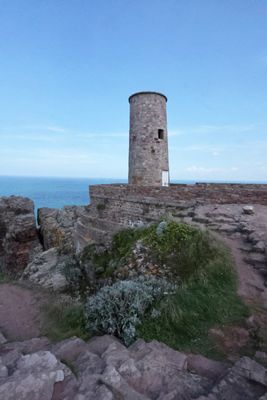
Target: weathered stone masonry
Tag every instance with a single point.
(114, 207)
(148, 140)
(208, 192)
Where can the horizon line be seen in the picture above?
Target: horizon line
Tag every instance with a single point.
(174, 180)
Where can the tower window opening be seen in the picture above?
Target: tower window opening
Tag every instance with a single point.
(160, 134)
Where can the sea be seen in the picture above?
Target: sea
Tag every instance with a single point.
(52, 192)
(57, 192)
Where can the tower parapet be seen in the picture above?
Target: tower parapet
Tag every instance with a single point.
(148, 147)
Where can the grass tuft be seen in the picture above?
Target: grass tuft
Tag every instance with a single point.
(63, 320)
(206, 299)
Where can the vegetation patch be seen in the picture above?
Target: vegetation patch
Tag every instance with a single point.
(180, 248)
(205, 299)
(200, 269)
(118, 309)
(107, 260)
(64, 319)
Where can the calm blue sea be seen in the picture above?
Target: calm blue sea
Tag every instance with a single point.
(55, 192)
(51, 192)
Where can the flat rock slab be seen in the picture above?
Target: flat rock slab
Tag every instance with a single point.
(19, 312)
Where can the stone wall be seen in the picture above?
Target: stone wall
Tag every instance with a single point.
(114, 207)
(201, 192)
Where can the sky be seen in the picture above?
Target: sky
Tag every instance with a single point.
(67, 68)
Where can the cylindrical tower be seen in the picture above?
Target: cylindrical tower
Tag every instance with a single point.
(148, 148)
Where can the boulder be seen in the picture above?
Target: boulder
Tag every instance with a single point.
(118, 385)
(57, 227)
(46, 270)
(251, 370)
(34, 377)
(69, 349)
(27, 346)
(19, 240)
(99, 344)
(205, 367)
(248, 210)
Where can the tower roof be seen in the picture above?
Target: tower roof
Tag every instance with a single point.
(148, 92)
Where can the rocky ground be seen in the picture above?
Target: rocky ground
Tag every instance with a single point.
(33, 368)
(105, 369)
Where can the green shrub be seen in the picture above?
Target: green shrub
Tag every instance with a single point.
(205, 299)
(123, 242)
(118, 309)
(106, 261)
(182, 248)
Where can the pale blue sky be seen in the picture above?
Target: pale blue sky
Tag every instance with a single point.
(67, 68)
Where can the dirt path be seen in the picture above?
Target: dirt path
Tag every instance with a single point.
(250, 283)
(20, 311)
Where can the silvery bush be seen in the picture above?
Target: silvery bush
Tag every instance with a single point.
(118, 309)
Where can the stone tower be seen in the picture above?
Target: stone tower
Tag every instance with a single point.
(148, 149)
